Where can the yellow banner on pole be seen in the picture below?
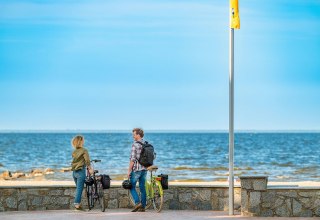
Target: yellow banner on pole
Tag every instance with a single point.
(235, 18)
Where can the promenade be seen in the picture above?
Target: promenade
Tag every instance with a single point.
(54, 199)
(125, 214)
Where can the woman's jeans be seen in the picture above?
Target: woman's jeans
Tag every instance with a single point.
(79, 177)
(134, 178)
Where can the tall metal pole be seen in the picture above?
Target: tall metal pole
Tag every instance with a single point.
(231, 122)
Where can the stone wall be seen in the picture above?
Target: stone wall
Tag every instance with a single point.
(22, 199)
(292, 203)
(61, 197)
(254, 198)
(259, 200)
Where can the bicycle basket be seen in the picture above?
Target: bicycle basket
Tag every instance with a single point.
(126, 184)
(105, 180)
(164, 181)
(89, 181)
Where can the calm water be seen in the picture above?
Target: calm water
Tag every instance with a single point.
(184, 156)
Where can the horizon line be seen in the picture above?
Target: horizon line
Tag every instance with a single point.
(158, 130)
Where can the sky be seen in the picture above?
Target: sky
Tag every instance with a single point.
(159, 65)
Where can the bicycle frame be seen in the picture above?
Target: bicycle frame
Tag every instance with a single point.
(149, 189)
(95, 191)
(154, 191)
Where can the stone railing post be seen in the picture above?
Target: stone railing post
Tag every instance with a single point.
(251, 188)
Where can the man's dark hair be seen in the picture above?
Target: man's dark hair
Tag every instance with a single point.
(138, 131)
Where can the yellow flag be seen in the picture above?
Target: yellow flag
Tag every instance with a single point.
(235, 18)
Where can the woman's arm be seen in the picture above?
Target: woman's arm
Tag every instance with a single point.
(87, 161)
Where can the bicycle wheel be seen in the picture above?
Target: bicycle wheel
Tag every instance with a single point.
(101, 196)
(132, 200)
(157, 199)
(89, 196)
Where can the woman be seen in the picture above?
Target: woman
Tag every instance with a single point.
(80, 161)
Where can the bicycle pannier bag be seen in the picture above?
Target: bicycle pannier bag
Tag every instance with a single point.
(164, 181)
(105, 180)
(147, 154)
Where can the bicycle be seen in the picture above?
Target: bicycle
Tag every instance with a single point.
(154, 191)
(94, 188)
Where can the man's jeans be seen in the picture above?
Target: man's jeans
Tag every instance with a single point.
(134, 178)
(79, 177)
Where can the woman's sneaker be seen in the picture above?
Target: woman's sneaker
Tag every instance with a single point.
(79, 208)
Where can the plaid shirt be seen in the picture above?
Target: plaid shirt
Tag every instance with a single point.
(135, 155)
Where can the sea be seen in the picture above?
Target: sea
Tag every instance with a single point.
(184, 156)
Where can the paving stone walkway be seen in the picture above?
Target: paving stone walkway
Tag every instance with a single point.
(125, 214)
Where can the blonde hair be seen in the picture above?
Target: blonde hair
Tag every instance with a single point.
(77, 141)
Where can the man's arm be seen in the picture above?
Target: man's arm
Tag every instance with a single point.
(133, 156)
(130, 168)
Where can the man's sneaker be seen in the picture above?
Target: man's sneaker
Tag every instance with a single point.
(137, 207)
(141, 210)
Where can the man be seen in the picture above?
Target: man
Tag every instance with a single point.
(137, 172)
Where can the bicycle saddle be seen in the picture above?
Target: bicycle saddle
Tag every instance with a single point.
(152, 168)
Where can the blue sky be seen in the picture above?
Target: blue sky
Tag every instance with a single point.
(158, 65)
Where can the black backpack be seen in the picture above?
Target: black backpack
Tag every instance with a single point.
(147, 154)
(105, 181)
